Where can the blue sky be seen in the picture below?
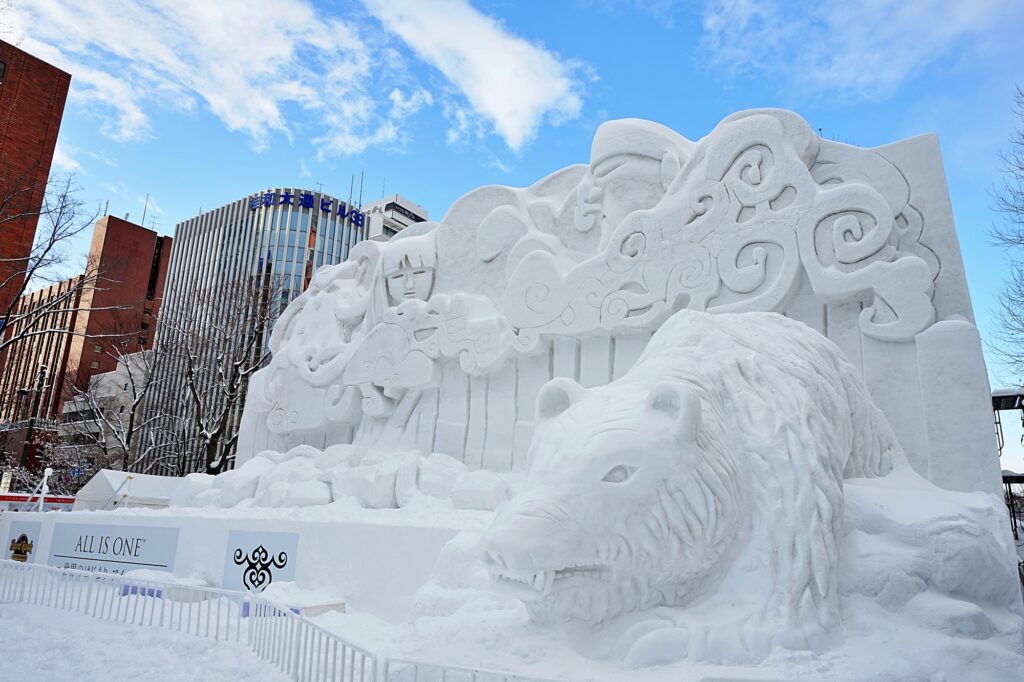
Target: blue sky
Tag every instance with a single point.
(198, 103)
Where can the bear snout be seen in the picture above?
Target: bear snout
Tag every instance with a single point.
(526, 538)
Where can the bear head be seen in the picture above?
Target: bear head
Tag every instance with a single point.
(632, 500)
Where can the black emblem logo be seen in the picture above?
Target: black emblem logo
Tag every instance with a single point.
(258, 563)
(21, 548)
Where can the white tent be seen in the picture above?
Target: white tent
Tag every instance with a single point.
(117, 489)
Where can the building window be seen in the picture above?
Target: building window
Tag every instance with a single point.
(3, 71)
(121, 408)
(96, 348)
(126, 385)
(95, 364)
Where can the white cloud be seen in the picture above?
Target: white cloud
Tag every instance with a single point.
(149, 205)
(509, 81)
(245, 64)
(464, 123)
(62, 159)
(499, 165)
(862, 48)
(103, 158)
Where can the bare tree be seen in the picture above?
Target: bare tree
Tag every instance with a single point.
(22, 480)
(215, 339)
(59, 219)
(1009, 200)
(106, 426)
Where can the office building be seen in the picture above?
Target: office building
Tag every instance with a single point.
(280, 235)
(100, 316)
(32, 97)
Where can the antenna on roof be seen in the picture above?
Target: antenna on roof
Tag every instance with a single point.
(144, 207)
(106, 208)
(360, 189)
(383, 185)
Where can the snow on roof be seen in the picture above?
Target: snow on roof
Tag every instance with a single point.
(141, 486)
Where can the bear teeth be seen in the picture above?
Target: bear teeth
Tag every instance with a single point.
(542, 581)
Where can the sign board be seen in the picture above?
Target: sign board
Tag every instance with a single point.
(27, 502)
(306, 200)
(21, 542)
(256, 558)
(5, 482)
(113, 549)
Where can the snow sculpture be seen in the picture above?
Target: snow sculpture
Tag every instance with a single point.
(440, 340)
(726, 444)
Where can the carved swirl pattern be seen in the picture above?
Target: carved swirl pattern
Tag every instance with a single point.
(734, 233)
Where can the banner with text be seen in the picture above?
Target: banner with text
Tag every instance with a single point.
(113, 549)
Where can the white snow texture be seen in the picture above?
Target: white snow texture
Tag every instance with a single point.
(740, 376)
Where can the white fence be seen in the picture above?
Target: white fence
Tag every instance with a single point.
(304, 650)
(289, 641)
(397, 670)
(202, 611)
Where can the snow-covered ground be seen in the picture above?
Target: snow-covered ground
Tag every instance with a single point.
(50, 645)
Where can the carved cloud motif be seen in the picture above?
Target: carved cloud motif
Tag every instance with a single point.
(743, 219)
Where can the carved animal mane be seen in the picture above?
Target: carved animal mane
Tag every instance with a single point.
(779, 418)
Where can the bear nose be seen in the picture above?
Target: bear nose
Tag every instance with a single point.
(528, 539)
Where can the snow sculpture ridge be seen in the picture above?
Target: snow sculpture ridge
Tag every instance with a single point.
(726, 443)
(440, 340)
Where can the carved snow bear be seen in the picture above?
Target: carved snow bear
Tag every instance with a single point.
(713, 468)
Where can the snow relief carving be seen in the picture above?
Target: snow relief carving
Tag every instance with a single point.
(737, 221)
(695, 506)
(596, 373)
(646, 491)
(744, 215)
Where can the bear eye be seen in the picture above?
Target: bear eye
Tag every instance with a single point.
(619, 474)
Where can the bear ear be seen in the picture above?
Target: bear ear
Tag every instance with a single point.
(556, 397)
(681, 404)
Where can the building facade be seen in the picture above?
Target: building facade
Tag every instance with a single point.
(389, 215)
(97, 423)
(32, 97)
(86, 323)
(276, 239)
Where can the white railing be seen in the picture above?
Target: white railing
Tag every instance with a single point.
(287, 640)
(203, 611)
(303, 650)
(397, 670)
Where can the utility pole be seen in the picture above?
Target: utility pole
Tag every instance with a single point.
(32, 416)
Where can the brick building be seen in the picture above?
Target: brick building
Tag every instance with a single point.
(114, 314)
(32, 97)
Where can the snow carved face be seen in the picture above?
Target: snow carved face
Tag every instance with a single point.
(621, 509)
(409, 266)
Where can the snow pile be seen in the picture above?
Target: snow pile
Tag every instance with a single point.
(50, 645)
(307, 477)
